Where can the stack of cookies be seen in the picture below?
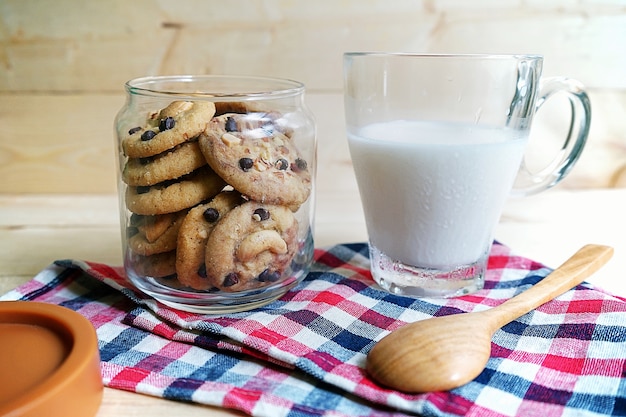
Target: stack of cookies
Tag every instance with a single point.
(212, 188)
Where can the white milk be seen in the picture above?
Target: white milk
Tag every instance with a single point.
(433, 193)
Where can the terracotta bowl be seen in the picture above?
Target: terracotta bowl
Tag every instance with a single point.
(49, 362)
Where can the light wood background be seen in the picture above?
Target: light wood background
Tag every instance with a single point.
(63, 64)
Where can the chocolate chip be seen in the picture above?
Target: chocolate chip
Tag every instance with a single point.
(167, 124)
(231, 279)
(148, 135)
(246, 163)
(142, 189)
(211, 215)
(134, 130)
(299, 165)
(268, 276)
(261, 214)
(135, 219)
(282, 164)
(202, 271)
(231, 125)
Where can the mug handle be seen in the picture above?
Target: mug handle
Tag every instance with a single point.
(527, 182)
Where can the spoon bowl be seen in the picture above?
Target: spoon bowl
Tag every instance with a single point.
(443, 353)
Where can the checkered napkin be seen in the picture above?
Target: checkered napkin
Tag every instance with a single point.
(304, 354)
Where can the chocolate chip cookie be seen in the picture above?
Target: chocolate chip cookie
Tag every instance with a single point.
(174, 163)
(158, 234)
(250, 153)
(251, 247)
(177, 123)
(193, 235)
(177, 195)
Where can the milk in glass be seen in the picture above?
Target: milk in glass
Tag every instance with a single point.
(453, 179)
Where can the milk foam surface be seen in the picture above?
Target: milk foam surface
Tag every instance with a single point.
(433, 193)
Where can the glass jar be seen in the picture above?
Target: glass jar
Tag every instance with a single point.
(217, 189)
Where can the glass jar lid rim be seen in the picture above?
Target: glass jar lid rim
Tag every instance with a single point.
(242, 87)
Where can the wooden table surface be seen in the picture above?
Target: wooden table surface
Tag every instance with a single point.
(36, 229)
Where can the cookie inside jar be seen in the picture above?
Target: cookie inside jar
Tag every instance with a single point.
(216, 194)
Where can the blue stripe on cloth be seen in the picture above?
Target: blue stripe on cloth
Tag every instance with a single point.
(348, 252)
(351, 341)
(182, 389)
(216, 368)
(122, 345)
(528, 327)
(600, 404)
(59, 279)
(610, 334)
(619, 404)
(520, 284)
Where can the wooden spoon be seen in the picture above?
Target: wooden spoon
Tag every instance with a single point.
(446, 352)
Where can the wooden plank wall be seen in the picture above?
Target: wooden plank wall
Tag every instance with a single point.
(63, 65)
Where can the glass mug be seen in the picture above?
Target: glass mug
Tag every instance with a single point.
(216, 185)
(437, 143)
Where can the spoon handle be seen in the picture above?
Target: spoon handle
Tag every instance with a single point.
(572, 272)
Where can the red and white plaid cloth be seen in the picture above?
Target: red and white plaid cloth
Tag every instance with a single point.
(304, 354)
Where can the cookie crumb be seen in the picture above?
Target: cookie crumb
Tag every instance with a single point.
(230, 140)
(278, 139)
